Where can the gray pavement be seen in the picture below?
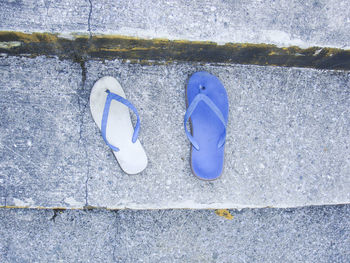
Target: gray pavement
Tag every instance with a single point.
(287, 142)
(309, 234)
(44, 16)
(284, 23)
(41, 153)
(287, 145)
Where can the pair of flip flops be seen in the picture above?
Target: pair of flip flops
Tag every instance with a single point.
(207, 112)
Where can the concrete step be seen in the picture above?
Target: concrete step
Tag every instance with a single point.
(284, 23)
(309, 234)
(287, 140)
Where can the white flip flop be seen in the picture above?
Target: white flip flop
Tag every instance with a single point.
(110, 110)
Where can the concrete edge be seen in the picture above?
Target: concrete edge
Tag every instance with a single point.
(175, 207)
(80, 47)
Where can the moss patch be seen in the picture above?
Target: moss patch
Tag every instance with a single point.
(154, 51)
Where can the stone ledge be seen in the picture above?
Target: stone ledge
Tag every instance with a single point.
(283, 23)
(310, 234)
(287, 141)
(80, 47)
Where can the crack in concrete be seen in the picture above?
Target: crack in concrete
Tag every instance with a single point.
(83, 76)
(4, 194)
(80, 94)
(87, 182)
(89, 19)
(118, 232)
(55, 214)
(5, 197)
(82, 108)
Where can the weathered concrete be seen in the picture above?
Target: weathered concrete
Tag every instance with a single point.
(41, 153)
(285, 22)
(287, 143)
(288, 139)
(310, 234)
(301, 23)
(63, 16)
(163, 51)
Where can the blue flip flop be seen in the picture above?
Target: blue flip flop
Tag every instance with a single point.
(208, 114)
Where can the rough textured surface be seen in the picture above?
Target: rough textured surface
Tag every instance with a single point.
(311, 234)
(63, 16)
(163, 51)
(301, 23)
(277, 22)
(287, 142)
(42, 159)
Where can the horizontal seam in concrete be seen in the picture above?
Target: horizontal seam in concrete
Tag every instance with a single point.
(163, 51)
(170, 208)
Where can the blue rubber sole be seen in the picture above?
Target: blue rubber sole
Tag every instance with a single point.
(207, 162)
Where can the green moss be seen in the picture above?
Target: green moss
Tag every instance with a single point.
(162, 51)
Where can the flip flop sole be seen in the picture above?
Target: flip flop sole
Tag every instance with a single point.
(131, 156)
(207, 162)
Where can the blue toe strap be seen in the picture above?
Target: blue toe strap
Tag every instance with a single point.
(214, 108)
(112, 96)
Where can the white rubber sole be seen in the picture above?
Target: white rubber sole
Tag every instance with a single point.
(131, 156)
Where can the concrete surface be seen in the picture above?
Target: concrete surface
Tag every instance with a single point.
(41, 152)
(45, 15)
(287, 141)
(284, 23)
(309, 234)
